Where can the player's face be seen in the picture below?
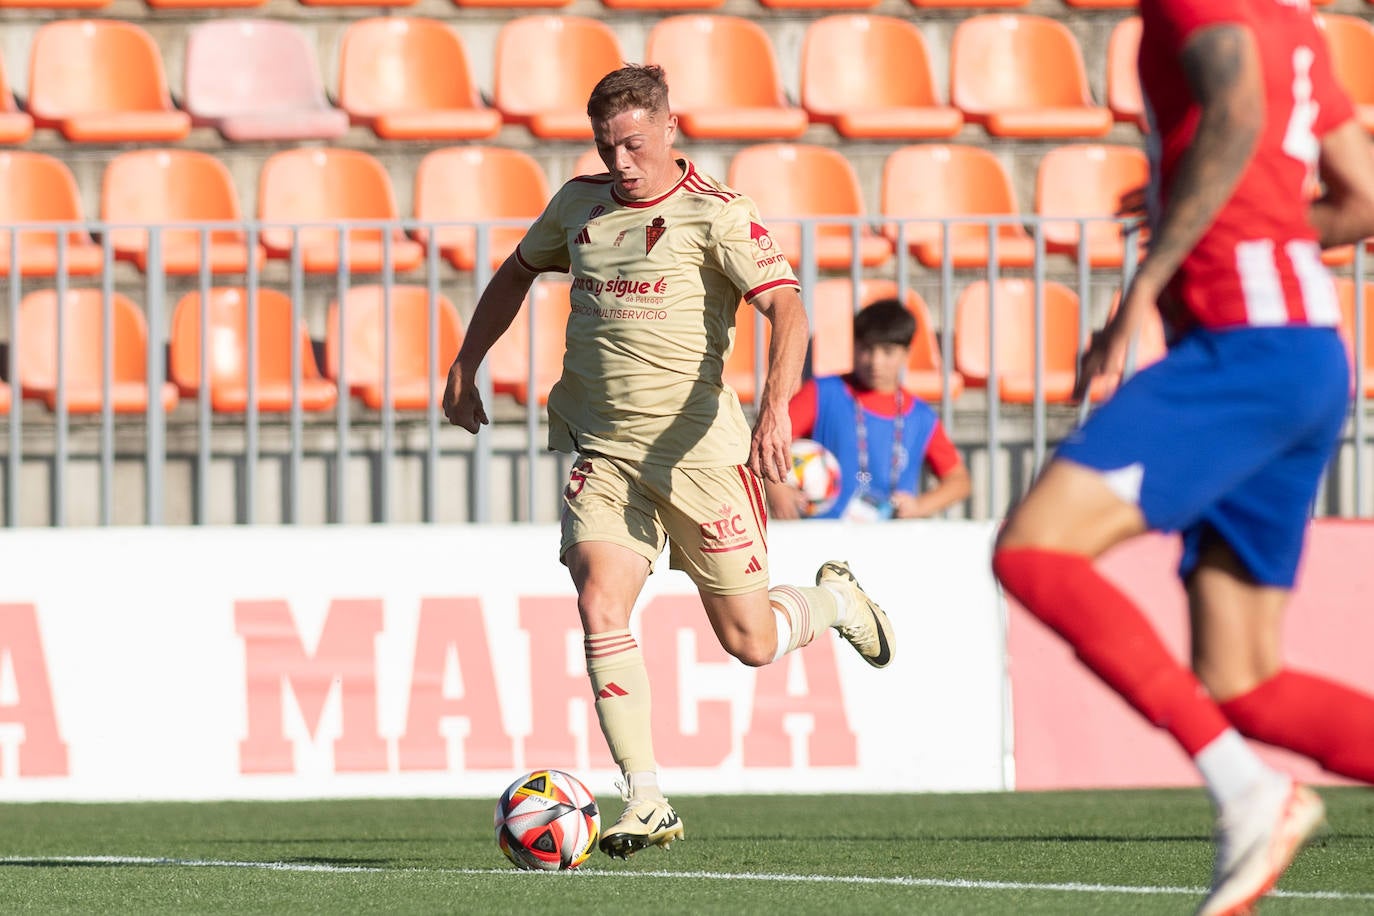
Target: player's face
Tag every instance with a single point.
(878, 367)
(637, 147)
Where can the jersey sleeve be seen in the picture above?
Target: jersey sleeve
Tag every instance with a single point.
(746, 253)
(545, 245)
(941, 454)
(1334, 107)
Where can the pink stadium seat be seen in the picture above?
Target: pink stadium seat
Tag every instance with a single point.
(257, 79)
(101, 81)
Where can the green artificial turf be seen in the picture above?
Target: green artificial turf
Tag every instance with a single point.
(1120, 852)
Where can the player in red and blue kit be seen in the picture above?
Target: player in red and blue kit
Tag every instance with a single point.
(1225, 439)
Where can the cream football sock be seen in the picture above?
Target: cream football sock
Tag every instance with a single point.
(800, 613)
(620, 683)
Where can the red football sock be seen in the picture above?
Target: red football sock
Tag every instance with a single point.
(1112, 638)
(1321, 719)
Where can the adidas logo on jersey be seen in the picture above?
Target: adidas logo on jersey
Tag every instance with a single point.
(584, 237)
(754, 565)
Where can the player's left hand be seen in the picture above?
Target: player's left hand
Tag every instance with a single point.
(770, 447)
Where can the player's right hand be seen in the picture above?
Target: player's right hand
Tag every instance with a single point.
(462, 402)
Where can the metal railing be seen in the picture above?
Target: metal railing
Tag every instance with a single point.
(417, 468)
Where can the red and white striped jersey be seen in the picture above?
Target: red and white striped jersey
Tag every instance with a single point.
(1259, 262)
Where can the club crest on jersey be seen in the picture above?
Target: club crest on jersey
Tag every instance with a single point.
(653, 232)
(595, 212)
(760, 236)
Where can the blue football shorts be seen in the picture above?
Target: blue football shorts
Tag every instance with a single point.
(1230, 434)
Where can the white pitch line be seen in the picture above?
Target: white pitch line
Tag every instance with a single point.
(946, 883)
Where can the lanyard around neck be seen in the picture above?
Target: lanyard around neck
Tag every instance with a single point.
(899, 454)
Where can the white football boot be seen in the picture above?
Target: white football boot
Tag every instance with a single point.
(871, 632)
(1257, 836)
(644, 822)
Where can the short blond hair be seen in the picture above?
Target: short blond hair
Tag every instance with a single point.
(632, 86)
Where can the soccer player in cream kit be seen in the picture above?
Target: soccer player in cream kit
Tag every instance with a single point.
(660, 257)
(1225, 439)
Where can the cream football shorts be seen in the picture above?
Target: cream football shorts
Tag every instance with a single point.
(713, 519)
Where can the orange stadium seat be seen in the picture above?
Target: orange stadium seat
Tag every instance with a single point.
(820, 4)
(512, 4)
(870, 78)
(738, 371)
(83, 352)
(832, 340)
(588, 163)
(53, 4)
(1149, 346)
(509, 358)
(358, 2)
(15, 126)
(1351, 40)
(176, 186)
(787, 180)
(1015, 330)
(363, 355)
(101, 81)
(1106, 4)
(967, 4)
(38, 188)
(202, 4)
(1090, 180)
(257, 79)
(649, 5)
(1038, 88)
(723, 77)
(922, 184)
(1345, 293)
(474, 183)
(1123, 81)
(546, 66)
(227, 349)
(317, 185)
(409, 79)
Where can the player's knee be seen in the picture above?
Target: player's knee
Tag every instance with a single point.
(601, 610)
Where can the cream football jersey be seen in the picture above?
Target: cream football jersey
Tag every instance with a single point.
(655, 287)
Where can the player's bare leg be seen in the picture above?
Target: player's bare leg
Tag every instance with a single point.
(609, 578)
(1236, 637)
(762, 626)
